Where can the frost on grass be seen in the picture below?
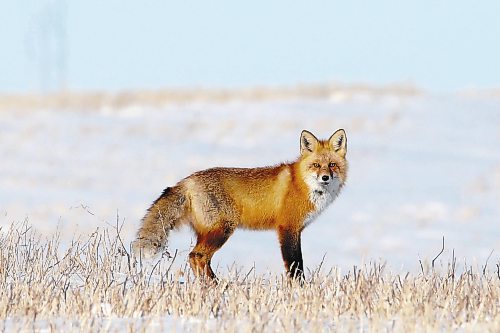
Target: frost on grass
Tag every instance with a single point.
(95, 285)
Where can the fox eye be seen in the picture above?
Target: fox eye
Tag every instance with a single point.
(331, 165)
(316, 165)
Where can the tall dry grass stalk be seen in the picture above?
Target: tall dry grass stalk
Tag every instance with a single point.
(93, 284)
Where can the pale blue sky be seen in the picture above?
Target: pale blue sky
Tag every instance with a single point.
(119, 44)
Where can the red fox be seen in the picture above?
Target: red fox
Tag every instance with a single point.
(214, 202)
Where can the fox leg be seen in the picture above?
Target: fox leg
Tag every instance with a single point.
(291, 252)
(207, 244)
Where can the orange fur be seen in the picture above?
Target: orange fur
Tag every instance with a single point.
(216, 201)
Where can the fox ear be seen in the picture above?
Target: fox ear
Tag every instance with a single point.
(338, 142)
(308, 142)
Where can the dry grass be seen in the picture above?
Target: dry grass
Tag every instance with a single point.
(92, 284)
(160, 98)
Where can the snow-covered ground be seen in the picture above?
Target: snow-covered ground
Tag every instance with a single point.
(421, 168)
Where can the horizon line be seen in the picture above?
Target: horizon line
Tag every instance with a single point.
(96, 99)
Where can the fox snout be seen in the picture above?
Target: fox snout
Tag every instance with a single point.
(324, 178)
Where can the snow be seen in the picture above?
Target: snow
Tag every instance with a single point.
(165, 323)
(421, 168)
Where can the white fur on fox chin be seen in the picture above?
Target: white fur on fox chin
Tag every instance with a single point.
(320, 196)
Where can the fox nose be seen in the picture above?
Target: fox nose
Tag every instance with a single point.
(325, 178)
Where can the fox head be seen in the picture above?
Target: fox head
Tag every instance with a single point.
(323, 163)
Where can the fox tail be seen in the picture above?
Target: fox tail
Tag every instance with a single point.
(165, 214)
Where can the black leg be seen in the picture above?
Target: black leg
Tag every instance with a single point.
(291, 252)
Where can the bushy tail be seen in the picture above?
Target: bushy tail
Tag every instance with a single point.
(163, 215)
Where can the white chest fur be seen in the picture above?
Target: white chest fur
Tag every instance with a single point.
(321, 197)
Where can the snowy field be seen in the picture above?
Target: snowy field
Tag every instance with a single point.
(421, 168)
